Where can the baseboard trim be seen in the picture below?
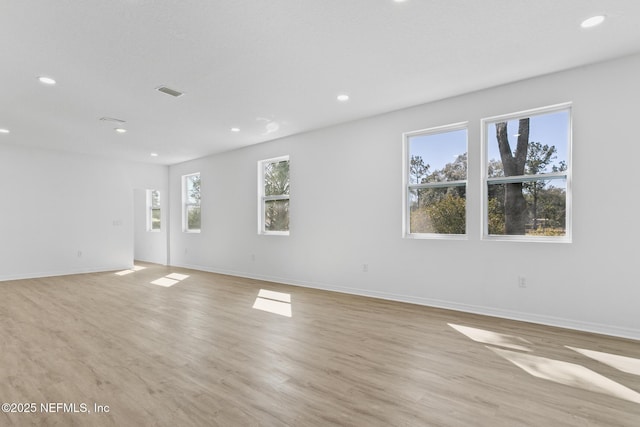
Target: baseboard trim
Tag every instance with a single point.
(565, 323)
(41, 275)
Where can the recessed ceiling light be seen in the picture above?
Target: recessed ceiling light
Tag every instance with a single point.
(343, 97)
(120, 130)
(46, 80)
(4, 130)
(593, 21)
(154, 154)
(235, 129)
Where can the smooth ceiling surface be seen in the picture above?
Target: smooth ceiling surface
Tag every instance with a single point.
(271, 68)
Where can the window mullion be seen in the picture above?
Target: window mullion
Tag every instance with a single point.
(275, 197)
(526, 178)
(438, 184)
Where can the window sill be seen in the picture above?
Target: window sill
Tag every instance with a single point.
(274, 233)
(434, 236)
(527, 239)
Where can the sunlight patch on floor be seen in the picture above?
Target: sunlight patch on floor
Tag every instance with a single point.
(163, 281)
(494, 338)
(124, 272)
(567, 373)
(130, 270)
(170, 279)
(277, 296)
(177, 276)
(273, 302)
(630, 365)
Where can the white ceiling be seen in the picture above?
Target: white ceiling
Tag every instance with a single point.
(269, 67)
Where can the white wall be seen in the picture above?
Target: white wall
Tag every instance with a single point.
(64, 213)
(346, 210)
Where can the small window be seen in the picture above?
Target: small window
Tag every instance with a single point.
(273, 195)
(153, 210)
(435, 177)
(527, 175)
(191, 203)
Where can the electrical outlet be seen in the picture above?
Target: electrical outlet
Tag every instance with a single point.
(522, 282)
(79, 254)
(365, 268)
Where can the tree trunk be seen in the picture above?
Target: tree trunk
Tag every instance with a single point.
(515, 209)
(515, 205)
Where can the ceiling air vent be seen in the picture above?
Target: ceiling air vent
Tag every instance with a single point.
(169, 91)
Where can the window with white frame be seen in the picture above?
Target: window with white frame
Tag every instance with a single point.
(273, 196)
(153, 210)
(435, 182)
(527, 172)
(191, 214)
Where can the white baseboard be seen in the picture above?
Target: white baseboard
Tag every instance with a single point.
(69, 272)
(578, 325)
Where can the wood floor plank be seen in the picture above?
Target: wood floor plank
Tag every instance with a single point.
(198, 354)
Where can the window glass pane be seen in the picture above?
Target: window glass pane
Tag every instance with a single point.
(276, 178)
(193, 189)
(544, 140)
(193, 217)
(155, 198)
(437, 210)
(438, 157)
(545, 207)
(276, 215)
(155, 219)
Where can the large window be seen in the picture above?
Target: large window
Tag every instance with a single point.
(527, 175)
(273, 196)
(435, 182)
(153, 210)
(191, 202)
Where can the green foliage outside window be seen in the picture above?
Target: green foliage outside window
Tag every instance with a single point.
(192, 205)
(276, 186)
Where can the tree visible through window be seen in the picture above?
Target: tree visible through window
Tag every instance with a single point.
(191, 200)
(527, 171)
(436, 181)
(274, 196)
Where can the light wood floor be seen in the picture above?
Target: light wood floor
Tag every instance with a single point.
(198, 354)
